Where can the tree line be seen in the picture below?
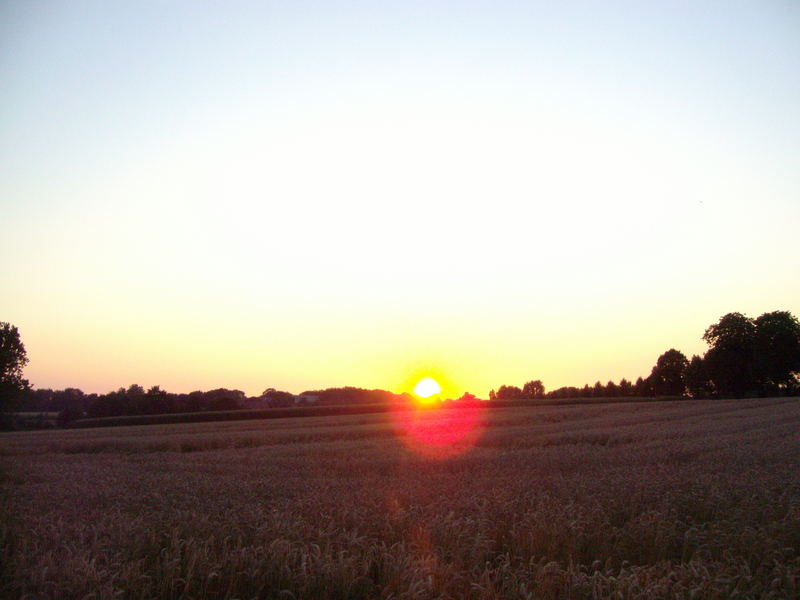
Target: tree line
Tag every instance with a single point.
(16, 394)
(746, 358)
(72, 403)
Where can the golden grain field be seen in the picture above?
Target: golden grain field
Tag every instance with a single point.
(643, 500)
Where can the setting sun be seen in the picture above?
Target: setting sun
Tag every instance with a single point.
(427, 387)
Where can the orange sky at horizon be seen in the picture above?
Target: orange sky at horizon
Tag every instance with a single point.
(94, 362)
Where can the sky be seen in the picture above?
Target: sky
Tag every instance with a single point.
(303, 195)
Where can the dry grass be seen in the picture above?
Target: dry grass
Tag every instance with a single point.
(652, 500)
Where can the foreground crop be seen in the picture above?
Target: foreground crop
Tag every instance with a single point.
(656, 500)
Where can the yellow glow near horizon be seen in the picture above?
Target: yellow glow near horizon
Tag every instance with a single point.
(427, 387)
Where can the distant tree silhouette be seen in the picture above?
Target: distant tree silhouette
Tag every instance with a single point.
(135, 400)
(277, 398)
(40, 399)
(697, 381)
(777, 350)
(194, 401)
(730, 362)
(667, 376)
(13, 359)
(351, 395)
(533, 389)
(745, 357)
(643, 388)
(224, 399)
(467, 397)
(571, 392)
(509, 392)
(71, 401)
(157, 401)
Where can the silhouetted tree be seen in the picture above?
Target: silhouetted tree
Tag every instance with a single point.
(533, 389)
(625, 387)
(566, 392)
(612, 391)
(194, 401)
(777, 350)
(157, 401)
(697, 380)
(598, 391)
(667, 376)
(277, 398)
(492, 395)
(13, 359)
(224, 399)
(39, 400)
(730, 362)
(71, 402)
(644, 388)
(351, 395)
(509, 392)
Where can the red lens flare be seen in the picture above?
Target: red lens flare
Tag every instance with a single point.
(441, 430)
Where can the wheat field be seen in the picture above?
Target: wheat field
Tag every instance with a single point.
(641, 500)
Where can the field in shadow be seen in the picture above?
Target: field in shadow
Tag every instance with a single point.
(650, 500)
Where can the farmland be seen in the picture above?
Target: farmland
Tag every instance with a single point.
(693, 499)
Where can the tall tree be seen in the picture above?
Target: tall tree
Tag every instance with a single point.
(667, 376)
(697, 380)
(777, 349)
(13, 359)
(644, 388)
(730, 362)
(533, 389)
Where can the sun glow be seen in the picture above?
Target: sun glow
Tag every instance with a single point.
(427, 387)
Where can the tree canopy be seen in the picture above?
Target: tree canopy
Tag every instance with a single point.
(13, 359)
(533, 389)
(730, 359)
(777, 348)
(668, 375)
(746, 357)
(749, 357)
